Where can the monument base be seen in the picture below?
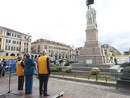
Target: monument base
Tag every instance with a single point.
(92, 59)
(92, 55)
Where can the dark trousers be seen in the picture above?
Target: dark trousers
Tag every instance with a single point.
(28, 84)
(43, 81)
(3, 72)
(20, 82)
(0, 71)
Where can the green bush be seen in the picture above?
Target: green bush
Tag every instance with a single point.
(55, 68)
(67, 69)
(69, 62)
(125, 64)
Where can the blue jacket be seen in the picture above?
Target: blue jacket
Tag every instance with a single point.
(29, 65)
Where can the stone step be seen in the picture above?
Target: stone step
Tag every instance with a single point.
(89, 68)
(93, 65)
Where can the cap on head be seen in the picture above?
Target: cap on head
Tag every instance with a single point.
(19, 57)
(27, 55)
(44, 52)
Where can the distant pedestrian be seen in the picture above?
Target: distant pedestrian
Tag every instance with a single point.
(4, 67)
(115, 60)
(29, 66)
(20, 73)
(44, 72)
(111, 55)
(1, 68)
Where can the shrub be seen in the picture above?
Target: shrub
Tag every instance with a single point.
(69, 62)
(125, 64)
(55, 68)
(67, 69)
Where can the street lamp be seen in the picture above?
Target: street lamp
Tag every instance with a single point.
(20, 45)
(28, 40)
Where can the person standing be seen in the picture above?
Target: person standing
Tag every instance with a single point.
(4, 67)
(29, 65)
(1, 67)
(43, 73)
(111, 55)
(115, 60)
(20, 73)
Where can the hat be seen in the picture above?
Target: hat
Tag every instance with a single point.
(43, 52)
(27, 55)
(19, 57)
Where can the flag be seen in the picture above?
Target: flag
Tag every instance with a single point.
(88, 2)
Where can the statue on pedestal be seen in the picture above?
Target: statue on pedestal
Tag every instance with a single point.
(91, 17)
(91, 13)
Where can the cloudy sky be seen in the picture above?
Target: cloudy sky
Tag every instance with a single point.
(65, 20)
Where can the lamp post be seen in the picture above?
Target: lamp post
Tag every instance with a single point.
(28, 40)
(20, 44)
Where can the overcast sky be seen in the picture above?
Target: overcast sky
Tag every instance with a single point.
(65, 20)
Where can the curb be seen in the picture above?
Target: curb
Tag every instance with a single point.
(98, 82)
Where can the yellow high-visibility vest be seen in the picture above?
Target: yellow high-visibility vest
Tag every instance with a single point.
(42, 65)
(19, 69)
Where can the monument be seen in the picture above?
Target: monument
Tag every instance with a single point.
(91, 53)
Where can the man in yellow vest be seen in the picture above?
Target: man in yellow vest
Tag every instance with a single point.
(111, 55)
(20, 73)
(44, 72)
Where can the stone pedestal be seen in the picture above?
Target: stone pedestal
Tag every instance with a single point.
(92, 52)
(92, 55)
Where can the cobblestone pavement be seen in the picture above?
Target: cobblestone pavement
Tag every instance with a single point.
(71, 89)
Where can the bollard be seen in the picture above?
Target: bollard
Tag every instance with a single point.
(96, 77)
(88, 77)
(106, 79)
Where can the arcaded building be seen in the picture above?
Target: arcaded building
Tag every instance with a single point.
(55, 50)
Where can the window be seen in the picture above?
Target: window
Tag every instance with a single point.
(8, 34)
(6, 40)
(6, 54)
(18, 36)
(14, 42)
(12, 48)
(45, 46)
(8, 47)
(12, 34)
(9, 41)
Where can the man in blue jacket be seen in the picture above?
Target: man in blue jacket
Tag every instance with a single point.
(29, 65)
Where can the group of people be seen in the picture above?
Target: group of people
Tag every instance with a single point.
(2, 67)
(25, 70)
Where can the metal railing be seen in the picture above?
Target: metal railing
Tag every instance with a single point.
(101, 76)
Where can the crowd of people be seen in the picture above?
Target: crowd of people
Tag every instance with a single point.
(25, 71)
(25, 68)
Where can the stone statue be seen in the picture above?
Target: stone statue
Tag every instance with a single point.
(91, 17)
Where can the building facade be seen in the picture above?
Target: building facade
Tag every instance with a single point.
(55, 50)
(107, 48)
(13, 42)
